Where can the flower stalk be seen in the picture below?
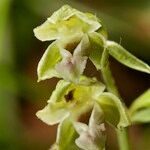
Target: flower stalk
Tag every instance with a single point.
(77, 37)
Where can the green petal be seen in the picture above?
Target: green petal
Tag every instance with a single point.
(97, 46)
(53, 114)
(91, 20)
(64, 13)
(102, 30)
(56, 110)
(61, 89)
(83, 48)
(65, 23)
(97, 116)
(66, 136)
(64, 29)
(107, 75)
(114, 111)
(126, 58)
(46, 66)
(46, 32)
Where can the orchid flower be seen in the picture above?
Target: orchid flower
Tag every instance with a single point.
(76, 34)
(73, 100)
(69, 99)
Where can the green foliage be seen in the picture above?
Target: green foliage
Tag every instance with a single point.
(141, 116)
(140, 108)
(9, 120)
(126, 58)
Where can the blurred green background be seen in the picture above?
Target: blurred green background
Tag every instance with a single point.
(127, 21)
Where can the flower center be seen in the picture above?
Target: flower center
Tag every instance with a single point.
(69, 96)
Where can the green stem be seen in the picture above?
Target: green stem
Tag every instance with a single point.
(122, 135)
(123, 139)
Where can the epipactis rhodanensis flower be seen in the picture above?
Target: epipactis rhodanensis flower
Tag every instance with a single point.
(69, 99)
(77, 36)
(65, 23)
(72, 100)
